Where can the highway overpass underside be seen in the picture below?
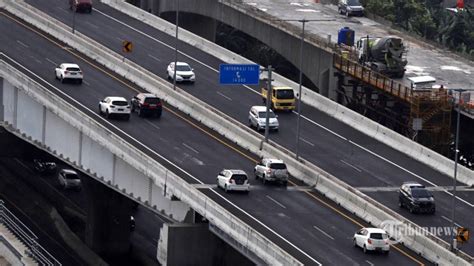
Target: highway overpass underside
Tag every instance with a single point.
(200, 16)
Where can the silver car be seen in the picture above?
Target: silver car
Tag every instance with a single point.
(272, 170)
(257, 118)
(69, 179)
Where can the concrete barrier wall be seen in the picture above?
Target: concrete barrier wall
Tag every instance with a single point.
(433, 249)
(247, 236)
(340, 112)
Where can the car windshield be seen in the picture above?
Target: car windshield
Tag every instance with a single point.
(71, 176)
(264, 114)
(378, 236)
(420, 193)
(120, 103)
(73, 69)
(183, 68)
(285, 94)
(353, 3)
(278, 166)
(152, 100)
(239, 177)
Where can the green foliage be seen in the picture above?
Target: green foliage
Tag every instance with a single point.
(429, 19)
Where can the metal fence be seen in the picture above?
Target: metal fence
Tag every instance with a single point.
(26, 236)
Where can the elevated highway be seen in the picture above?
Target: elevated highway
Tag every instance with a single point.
(327, 140)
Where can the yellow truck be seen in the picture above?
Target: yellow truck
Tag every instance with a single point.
(283, 98)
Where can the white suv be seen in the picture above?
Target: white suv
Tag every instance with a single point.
(257, 118)
(271, 170)
(113, 105)
(183, 72)
(374, 239)
(233, 180)
(68, 71)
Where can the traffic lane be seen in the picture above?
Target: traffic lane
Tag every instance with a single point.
(32, 210)
(119, 25)
(441, 219)
(299, 221)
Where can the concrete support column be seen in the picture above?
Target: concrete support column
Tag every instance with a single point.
(108, 220)
(2, 106)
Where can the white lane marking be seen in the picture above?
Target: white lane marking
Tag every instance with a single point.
(168, 161)
(350, 165)
(309, 143)
(85, 82)
(118, 38)
(189, 147)
(152, 124)
(322, 231)
(92, 25)
(435, 189)
(36, 59)
(51, 61)
(370, 263)
(272, 199)
(384, 159)
(227, 97)
(154, 57)
(450, 220)
(23, 44)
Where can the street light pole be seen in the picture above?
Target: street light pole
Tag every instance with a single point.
(453, 243)
(74, 9)
(176, 46)
(299, 90)
(268, 101)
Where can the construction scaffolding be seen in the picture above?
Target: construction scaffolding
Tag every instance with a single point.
(424, 113)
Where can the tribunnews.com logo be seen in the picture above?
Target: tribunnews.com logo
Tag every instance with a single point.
(397, 231)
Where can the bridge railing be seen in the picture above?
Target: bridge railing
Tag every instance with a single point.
(26, 236)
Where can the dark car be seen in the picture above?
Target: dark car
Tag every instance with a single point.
(416, 198)
(44, 167)
(81, 5)
(146, 104)
(350, 8)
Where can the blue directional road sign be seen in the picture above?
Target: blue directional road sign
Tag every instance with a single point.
(231, 74)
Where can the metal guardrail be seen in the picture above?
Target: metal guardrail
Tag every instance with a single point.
(27, 237)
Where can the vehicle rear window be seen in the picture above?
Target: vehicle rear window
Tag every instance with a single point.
(183, 68)
(420, 193)
(378, 236)
(120, 103)
(152, 100)
(71, 176)
(239, 177)
(285, 94)
(264, 114)
(278, 166)
(72, 69)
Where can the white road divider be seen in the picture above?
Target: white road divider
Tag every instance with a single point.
(427, 245)
(309, 97)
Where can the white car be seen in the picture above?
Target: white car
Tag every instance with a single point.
(233, 180)
(272, 170)
(184, 72)
(69, 179)
(68, 71)
(114, 105)
(372, 239)
(257, 118)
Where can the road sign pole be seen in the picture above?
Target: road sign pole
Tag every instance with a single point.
(299, 92)
(269, 100)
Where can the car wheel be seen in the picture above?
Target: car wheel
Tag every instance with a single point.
(107, 113)
(264, 179)
(225, 189)
(100, 110)
(365, 249)
(411, 209)
(386, 252)
(79, 81)
(140, 112)
(55, 75)
(250, 123)
(347, 13)
(256, 174)
(127, 117)
(90, 10)
(400, 204)
(132, 108)
(217, 182)
(285, 183)
(259, 128)
(354, 242)
(62, 79)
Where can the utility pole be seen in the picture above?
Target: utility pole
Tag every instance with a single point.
(176, 46)
(268, 101)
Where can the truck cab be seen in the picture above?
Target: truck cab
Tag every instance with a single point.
(283, 98)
